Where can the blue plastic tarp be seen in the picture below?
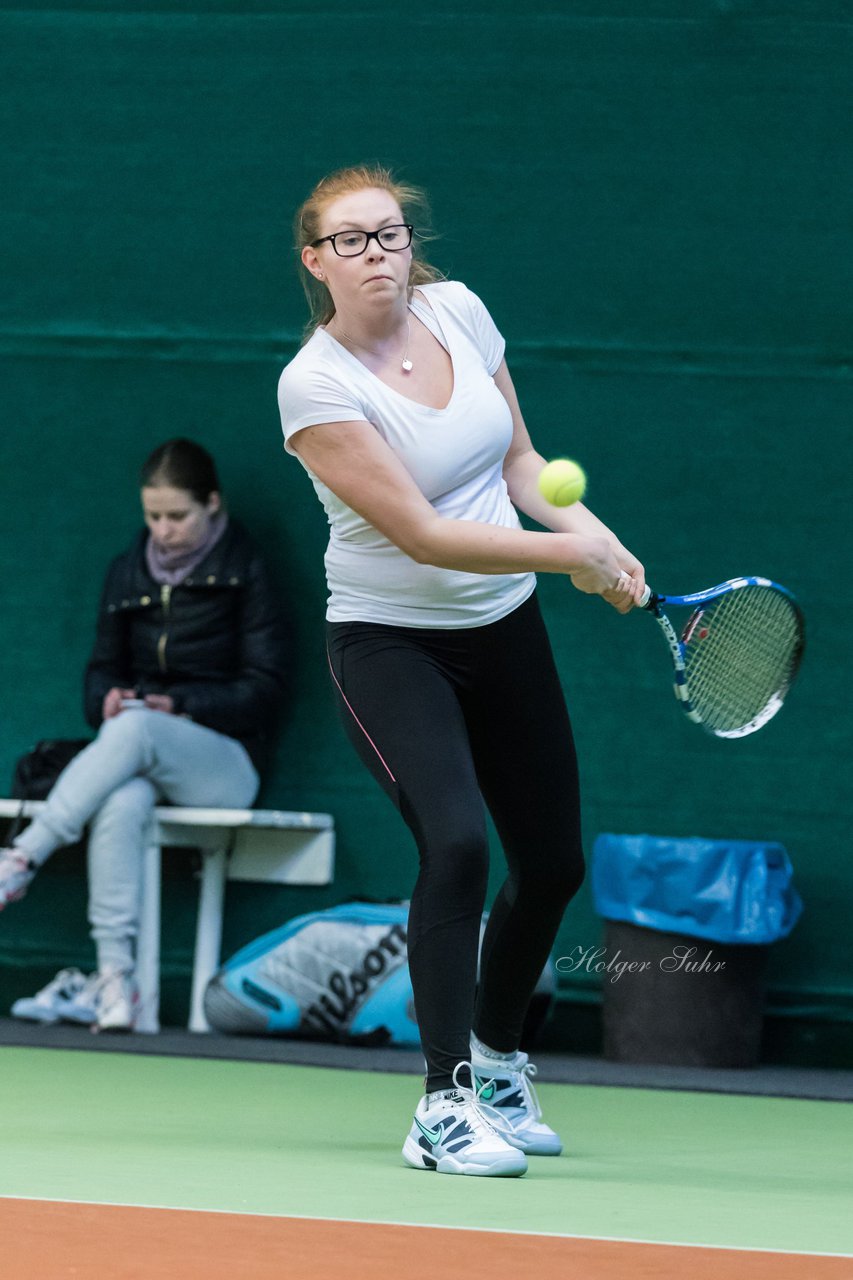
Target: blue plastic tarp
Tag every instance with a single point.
(735, 891)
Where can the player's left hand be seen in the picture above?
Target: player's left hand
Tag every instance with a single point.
(628, 592)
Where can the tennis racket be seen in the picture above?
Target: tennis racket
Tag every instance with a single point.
(738, 654)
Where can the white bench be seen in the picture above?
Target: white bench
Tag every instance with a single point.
(235, 844)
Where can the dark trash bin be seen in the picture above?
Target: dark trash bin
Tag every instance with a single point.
(688, 926)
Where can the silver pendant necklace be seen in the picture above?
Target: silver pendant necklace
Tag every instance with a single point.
(405, 364)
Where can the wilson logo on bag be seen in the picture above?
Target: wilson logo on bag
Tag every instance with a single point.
(340, 974)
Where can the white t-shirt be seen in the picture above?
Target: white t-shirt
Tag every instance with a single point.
(455, 456)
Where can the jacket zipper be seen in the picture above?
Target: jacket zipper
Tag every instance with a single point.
(165, 595)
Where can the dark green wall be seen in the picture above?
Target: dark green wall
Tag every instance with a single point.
(657, 208)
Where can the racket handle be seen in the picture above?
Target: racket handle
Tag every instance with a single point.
(647, 594)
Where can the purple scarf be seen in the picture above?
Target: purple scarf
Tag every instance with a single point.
(171, 567)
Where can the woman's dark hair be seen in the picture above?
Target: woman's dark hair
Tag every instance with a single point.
(182, 464)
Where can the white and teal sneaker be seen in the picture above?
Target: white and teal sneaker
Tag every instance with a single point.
(52, 1003)
(505, 1090)
(451, 1134)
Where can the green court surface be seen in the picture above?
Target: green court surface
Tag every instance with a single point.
(264, 1138)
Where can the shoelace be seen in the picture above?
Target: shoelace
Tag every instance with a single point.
(482, 1117)
(105, 985)
(531, 1098)
(93, 985)
(528, 1071)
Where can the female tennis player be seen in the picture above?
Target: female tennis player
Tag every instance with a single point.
(401, 409)
(183, 686)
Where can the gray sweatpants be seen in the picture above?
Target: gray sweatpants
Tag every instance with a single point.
(139, 757)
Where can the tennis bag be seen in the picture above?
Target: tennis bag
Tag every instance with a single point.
(338, 975)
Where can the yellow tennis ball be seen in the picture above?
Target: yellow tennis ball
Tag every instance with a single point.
(562, 482)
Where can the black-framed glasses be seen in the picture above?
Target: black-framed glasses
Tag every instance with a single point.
(349, 244)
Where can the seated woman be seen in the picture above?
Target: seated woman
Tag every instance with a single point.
(183, 685)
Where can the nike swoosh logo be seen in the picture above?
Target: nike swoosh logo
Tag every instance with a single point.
(488, 1093)
(431, 1135)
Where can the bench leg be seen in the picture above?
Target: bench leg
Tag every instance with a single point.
(208, 936)
(148, 940)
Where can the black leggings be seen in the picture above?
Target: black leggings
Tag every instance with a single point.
(445, 719)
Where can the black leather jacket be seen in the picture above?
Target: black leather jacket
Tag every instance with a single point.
(216, 643)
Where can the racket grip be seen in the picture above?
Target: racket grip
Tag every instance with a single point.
(647, 593)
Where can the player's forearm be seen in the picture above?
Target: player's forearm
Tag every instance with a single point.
(522, 476)
(471, 547)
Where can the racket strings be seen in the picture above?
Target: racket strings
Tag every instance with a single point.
(741, 654)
